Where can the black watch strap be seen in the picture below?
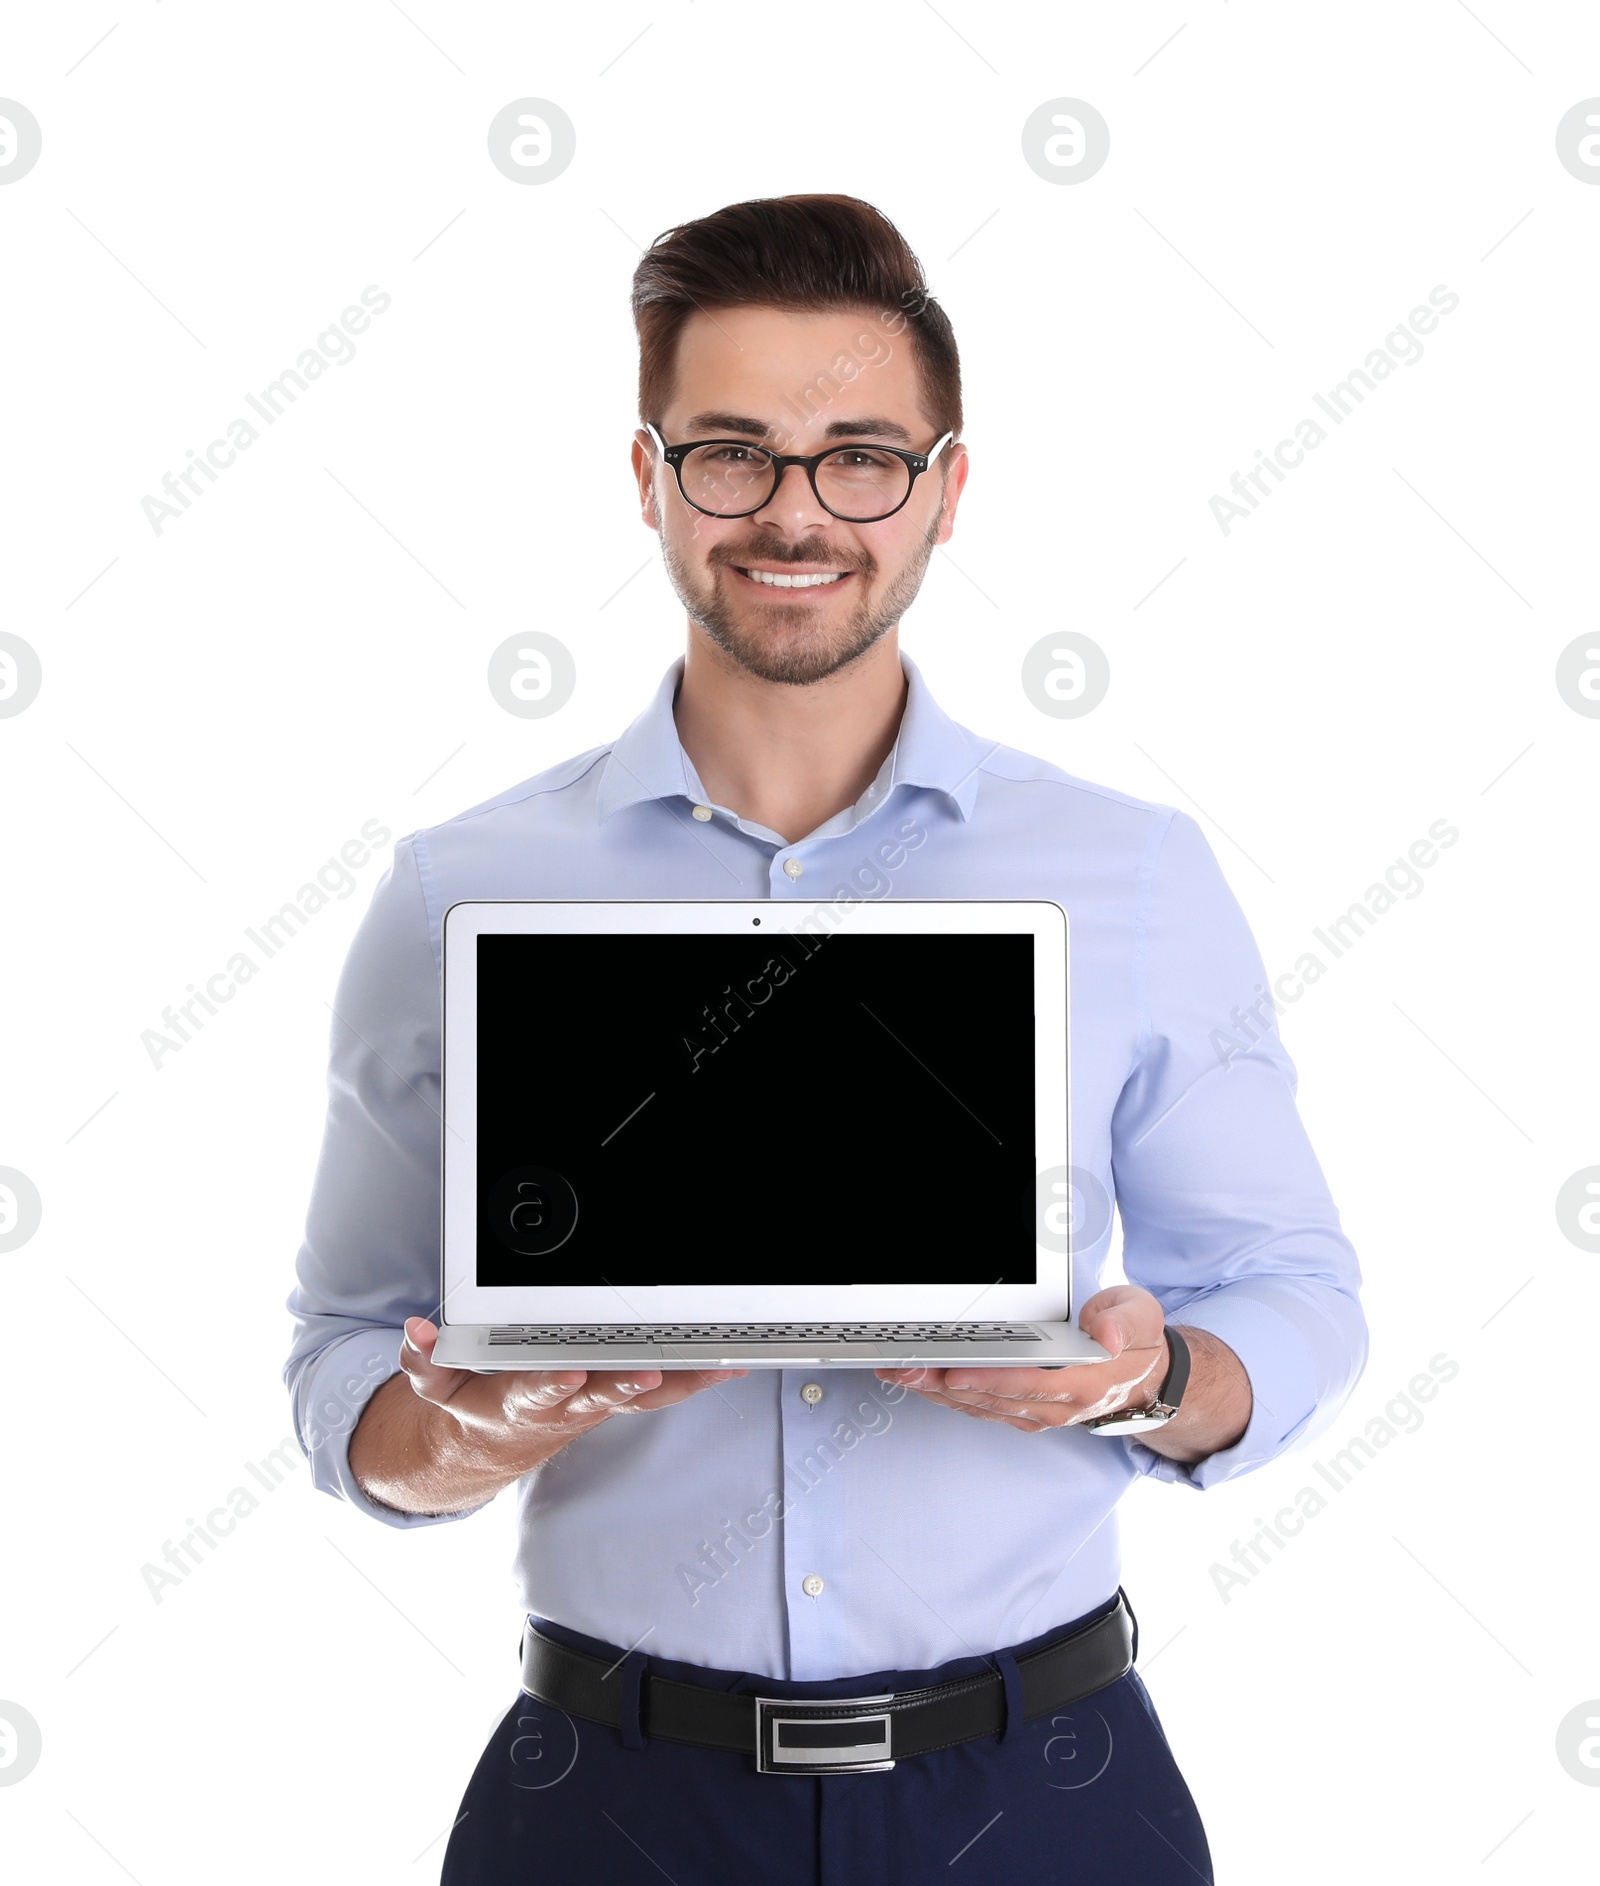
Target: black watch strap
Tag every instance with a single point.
(1170, 1393)
(1168, 1397)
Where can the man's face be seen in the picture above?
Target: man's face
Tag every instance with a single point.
(797, 383)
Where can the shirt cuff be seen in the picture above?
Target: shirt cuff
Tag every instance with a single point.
(329, 1395)
(1283, 1387)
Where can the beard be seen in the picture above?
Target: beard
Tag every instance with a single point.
(793, 643)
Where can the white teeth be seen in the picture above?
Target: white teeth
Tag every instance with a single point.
(793, 582)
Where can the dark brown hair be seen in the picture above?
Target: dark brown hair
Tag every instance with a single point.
(807, 253)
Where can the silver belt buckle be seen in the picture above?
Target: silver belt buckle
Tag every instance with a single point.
(795, 1738)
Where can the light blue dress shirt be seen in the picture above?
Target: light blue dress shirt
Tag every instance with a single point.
(704, 1530)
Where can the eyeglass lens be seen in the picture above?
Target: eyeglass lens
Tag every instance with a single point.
(858, 483)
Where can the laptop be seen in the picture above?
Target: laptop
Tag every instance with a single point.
(725, 1134)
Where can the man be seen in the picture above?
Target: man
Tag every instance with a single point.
(875, 1533)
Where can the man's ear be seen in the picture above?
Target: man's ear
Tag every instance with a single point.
(955, 478)
(644, 471)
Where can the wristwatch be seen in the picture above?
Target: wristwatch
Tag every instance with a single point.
(1159, 1412)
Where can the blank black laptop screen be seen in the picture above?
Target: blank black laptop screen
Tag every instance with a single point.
(782, 1109)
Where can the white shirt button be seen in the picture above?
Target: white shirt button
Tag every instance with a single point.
(811, 1585)
(793, 867)
(811, 1394)
(702, 813)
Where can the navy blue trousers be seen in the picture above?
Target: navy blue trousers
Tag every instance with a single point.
(1089, 1793)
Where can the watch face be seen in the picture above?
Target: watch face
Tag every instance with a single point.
(1135, 1422)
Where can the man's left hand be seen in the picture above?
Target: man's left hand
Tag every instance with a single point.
(1127, 1322)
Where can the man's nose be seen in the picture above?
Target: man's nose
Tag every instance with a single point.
(794, 506)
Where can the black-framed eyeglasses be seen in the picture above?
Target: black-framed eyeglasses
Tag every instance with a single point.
(859, 484)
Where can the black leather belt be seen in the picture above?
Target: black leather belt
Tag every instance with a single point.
(844, 1735)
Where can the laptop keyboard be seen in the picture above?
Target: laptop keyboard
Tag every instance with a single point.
(553, 1335)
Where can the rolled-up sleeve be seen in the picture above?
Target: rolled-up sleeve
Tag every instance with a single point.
(370, 1257)
(1226, 1215)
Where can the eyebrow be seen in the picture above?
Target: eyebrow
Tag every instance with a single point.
(718, 424)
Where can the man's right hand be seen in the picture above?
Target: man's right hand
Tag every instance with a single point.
(434, 1440)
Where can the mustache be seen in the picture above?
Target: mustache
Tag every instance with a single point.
(818, 557)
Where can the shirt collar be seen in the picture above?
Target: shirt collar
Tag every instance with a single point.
(648, 761)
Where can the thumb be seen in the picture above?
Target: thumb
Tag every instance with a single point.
(1123, 1317)
(430, 1381)
(420, 1336)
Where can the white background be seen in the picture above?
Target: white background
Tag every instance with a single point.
(224, 705)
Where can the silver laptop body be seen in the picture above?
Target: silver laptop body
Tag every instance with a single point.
(742, 1135)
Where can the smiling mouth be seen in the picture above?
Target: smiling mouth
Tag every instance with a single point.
(792, 580)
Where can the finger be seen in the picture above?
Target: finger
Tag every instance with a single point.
(417, 1338)
(930, 1385)
(1040, 1412)
(1019, 1384)
(1122, 1317)
(1118, 1396)
(605, 1392)
(679, 1384)
(1002, 1415)
(430, 1381)
(1136, 1364)
(480, 1400)
(527, 1394)
(1084, 1384)
(646, 1389)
